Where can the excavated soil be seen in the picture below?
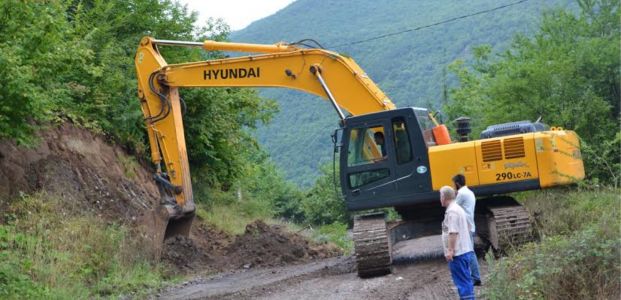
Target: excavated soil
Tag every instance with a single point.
(265, 245)
(261, 245)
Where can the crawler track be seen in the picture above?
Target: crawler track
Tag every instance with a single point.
(509, 226)
(504, 222)
(372, 245)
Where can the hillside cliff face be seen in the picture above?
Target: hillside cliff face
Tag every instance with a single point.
(409, 67)
(82, 170)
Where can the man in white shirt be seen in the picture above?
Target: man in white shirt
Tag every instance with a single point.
(457, 245)
(466, 199)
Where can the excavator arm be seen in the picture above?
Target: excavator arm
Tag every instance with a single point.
(316, 71)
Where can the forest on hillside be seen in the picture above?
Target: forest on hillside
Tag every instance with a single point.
(73, 62)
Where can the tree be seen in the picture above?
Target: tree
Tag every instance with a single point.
(74, 59)
(323, 203)
(567, 73)
(35, 58)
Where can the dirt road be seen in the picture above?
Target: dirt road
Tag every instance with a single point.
(333, 278)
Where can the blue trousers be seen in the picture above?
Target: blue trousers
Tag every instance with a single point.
(460, 272)
(474, 263)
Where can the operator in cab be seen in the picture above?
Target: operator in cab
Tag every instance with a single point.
(379, 140)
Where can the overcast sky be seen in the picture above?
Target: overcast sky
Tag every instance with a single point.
(237, 13)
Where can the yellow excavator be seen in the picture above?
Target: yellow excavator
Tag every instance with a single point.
(389, 157)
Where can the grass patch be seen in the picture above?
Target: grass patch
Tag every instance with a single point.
(130, 165)
(578, 256)
(227, 212)
(335, 233)
(227, 218)
(48, 252)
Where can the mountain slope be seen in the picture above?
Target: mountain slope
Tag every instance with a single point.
(409, 67)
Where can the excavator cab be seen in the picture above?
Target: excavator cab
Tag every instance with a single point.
(386, 172)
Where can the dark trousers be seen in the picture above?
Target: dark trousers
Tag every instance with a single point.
(460, 272)
(474, 263)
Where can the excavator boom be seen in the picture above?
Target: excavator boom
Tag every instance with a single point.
(316, 71)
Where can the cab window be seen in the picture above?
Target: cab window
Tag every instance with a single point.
(402, 141)
(361, 178)
(366, 145)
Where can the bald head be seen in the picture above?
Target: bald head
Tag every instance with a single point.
(447, 194)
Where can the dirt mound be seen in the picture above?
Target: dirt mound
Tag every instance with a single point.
(261, 245)
(183, 255)
(270, 245)
(82, 169)
(203, 251)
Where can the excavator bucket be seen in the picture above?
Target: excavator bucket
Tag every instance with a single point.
(179, 225)
(173, 219)
(158, 225)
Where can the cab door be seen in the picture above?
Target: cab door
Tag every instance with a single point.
(384, 161)
(367, 161)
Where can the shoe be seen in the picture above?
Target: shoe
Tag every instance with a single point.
(477, 283)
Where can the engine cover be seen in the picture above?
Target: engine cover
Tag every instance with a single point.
(512, 128)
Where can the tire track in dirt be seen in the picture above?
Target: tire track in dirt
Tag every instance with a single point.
(323, 279)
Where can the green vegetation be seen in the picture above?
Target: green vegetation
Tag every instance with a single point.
(49, 251)
(335, 233)
(411, 68)
(231, 213)
(323, 203)
(567, 73)
(577, 257)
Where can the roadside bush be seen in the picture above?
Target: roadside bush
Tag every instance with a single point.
(578, 256)
(335, 233)
(322, 204)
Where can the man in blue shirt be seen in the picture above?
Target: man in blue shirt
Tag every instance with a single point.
(466, 199)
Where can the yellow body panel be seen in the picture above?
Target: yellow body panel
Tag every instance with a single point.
(559, 157)
(552, 157)
(508, 168)
(447, 160)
